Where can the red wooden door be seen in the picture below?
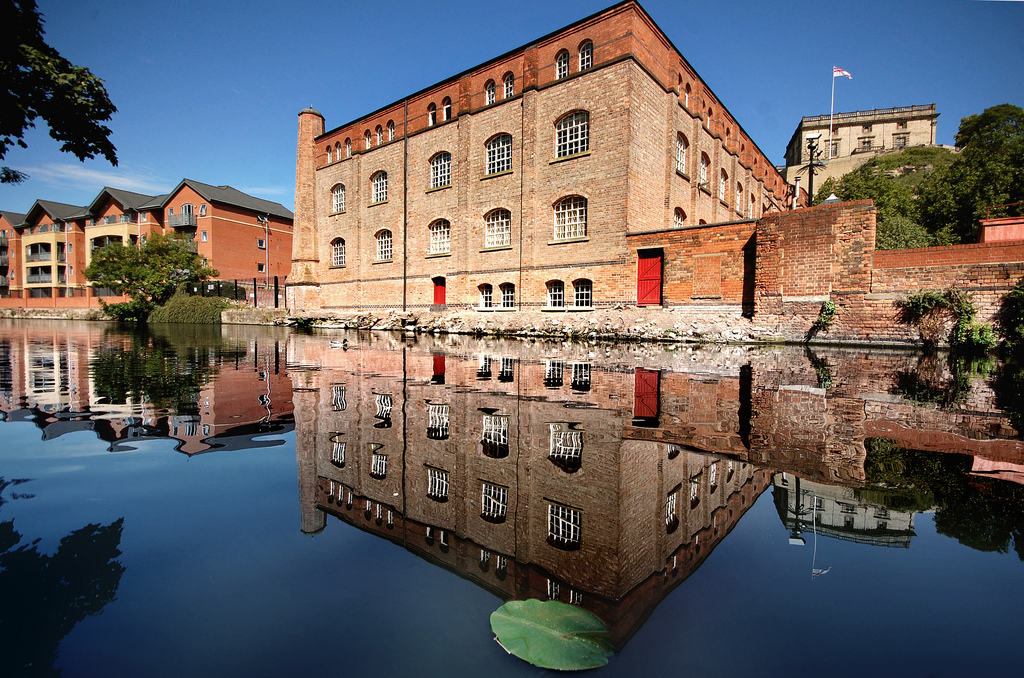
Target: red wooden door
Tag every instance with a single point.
(439, 291)
(645, 393)
(648, 277)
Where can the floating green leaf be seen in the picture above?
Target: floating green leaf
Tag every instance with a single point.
(552, 635)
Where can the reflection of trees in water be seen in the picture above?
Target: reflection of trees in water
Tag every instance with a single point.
(42, 597)
(167, 366)
(945, 382)
(982, 513)
(1009, 389)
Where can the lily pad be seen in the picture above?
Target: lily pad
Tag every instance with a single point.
(552, 635)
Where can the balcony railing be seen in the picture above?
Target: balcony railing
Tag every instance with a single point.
(4, 282)
(181, 220)
(39, 278)
(37, 256)
(5, 261)
(3, 240)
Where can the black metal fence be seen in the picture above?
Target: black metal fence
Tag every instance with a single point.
(255, 292)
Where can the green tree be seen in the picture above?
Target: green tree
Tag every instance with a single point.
(149, 274)
(894, 182)
(37, 82)
(989, 171)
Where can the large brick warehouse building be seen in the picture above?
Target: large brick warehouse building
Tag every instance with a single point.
(533, 181)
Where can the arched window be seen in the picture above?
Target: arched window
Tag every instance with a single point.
(680, 218)
(508, 295)
(556, 294)
(510, 85)
(583, 293)
(384, 250)
(369, 140)
(739, 197)
(489, 92)
(686, 95)
(431, 115)
(328, 155)
(562, 65)
(338, 252)
(499, 154)
(723, 186)
(379, 187)
(338, 198)
(380, 135)
(571, 218)
(441, 170)
(572, 134)
(752, 206)
(391, 130)
(348, 148)
(486, 296)
(337, 151)
(498, 228)
(586, 55)
(681, 147)
(446, 109)
(440, 237)
(705, 163)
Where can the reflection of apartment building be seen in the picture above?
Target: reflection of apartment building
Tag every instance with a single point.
(856, 138)
(515, 473)
(241, 236)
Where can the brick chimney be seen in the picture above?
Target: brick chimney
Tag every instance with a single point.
(303, 288)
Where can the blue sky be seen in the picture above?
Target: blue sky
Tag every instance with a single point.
(211, 90)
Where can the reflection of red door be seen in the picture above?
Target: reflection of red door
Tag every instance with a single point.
(648, 277)
(439, 291)
(645, 393)
(439, 366)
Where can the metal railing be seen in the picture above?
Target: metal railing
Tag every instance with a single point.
(39, 278)
(181, 220)
(37, 256)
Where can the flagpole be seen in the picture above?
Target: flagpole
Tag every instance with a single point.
(831, 110)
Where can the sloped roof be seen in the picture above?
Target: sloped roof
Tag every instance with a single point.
(226, 195)
(126, 199)
(57, 211)
(13, 217)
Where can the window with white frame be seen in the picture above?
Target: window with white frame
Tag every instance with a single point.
(694, 492)
(672, 511)
(431, 115)
(580, 377)
(441, 170)
(499, 154)
(378, 467)
(391, 130)
(369, 140)
(508, 295)
(446, 109)
(553, 370)
(384, 403)
(379, 187)
(586, 55)
(739, 197)
(495, 436)
(572, 134)
(437, 422)
(380, 135)
(338, 198)
(556, 294)
(571, 218)
(680, 218)
(554, 589)
(204, 236)
(562, 65)
(384, 246)
(489, 92)
(348, 148)
(498, 228)
(440, 237)
(723, 186)
(575, 597)
(483, 369)
(437, 484)
(682, 145)
(337, 156)
(564, 526)
(566, 443)
(713, 476)
(493, 502)
(507, 370)
(752, 205)
(338, 453)
(583, 294)
(338, 252)
(510, 86)
(261, 243)
(338, 402)
(329, 155)
(486, 296)
(705, 163)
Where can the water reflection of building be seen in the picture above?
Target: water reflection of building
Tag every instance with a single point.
(529, 477)
(807, 507)
(45, 378)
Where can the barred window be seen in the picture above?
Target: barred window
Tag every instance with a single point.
(680, 218)
(571, 218)
(338, 198)
(441, 170)
(499, 154)
(437, 484)
(566, 443)
(556, 294)
(510, 85)
(572, 134)
(383, 402)
(586, 55)
(498, 228)
(723, 186)
(507, 371)
(713, 476)
(438, 425)
(682, 145)
(338, 252)
(580, 377)
(338, 453)
(486, 296)
(694, 492)
(508, 295)
(495, 436)
(483, 369)
(384, 246)
(440, 237)
(564, 526)
(562, 65)
(338, 402)
(493, 502)
(553, 370)
(553, 589)
(489, 91)
(379, 187)
(583, 294)
(671, 511)
(378, 468)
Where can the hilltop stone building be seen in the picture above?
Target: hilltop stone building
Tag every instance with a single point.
(521, 183)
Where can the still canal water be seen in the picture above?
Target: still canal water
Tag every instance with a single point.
(255, 502)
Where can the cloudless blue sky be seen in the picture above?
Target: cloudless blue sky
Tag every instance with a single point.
(211, 90)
